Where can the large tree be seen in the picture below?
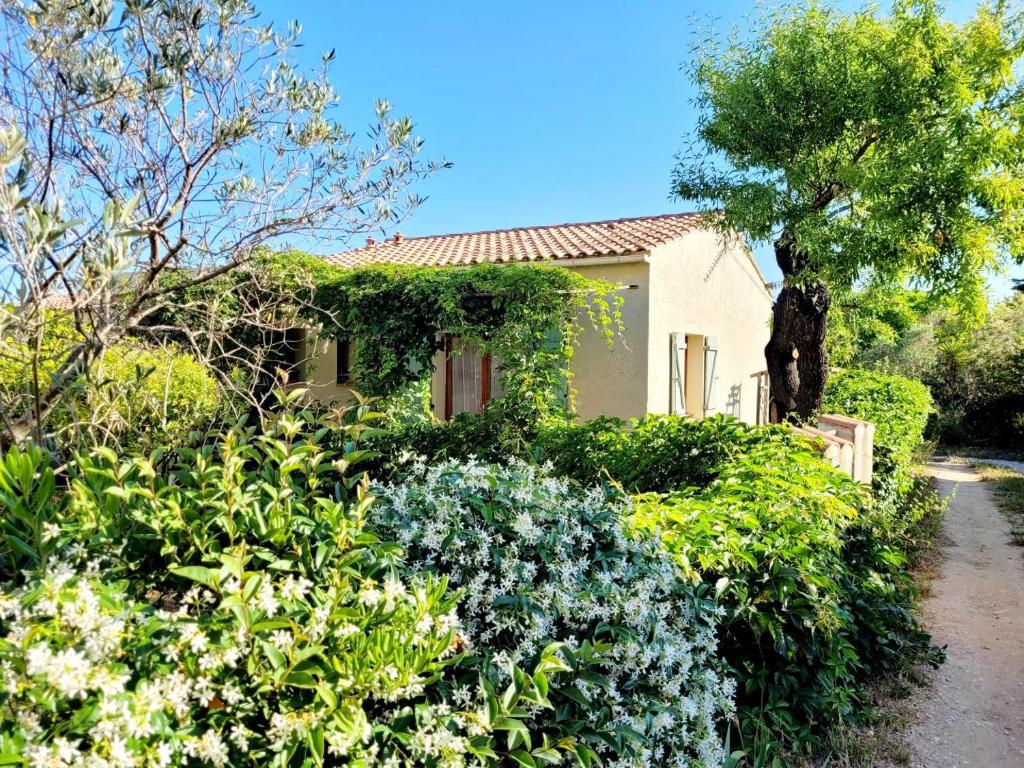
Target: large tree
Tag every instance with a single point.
(860, 142)
(148, 147)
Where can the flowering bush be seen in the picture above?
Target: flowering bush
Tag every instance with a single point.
(233, 611)
(542, 560)
(93, 677)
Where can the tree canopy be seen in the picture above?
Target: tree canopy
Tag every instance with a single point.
(141, 138)
(861, 142)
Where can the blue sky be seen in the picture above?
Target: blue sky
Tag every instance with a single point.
(550, 111)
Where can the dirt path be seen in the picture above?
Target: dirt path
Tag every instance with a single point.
(1016, 466)
(973, 714)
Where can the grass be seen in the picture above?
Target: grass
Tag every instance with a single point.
(882, 742)
(1008, 492)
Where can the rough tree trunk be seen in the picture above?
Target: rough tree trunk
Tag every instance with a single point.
(795, 354)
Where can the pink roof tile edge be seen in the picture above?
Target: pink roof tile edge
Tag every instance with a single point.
(614, 237)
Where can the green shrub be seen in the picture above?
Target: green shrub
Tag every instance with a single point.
(654, 453)
(233, 610)
(136, 397)
(543, 560)
(978, 389)
(897, 406)
(502, 431)
(145, 398)
(815, 602)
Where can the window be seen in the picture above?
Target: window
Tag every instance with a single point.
(693, 374)
(472, 379)
(341, 352)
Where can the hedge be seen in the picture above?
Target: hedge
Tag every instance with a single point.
(898, 407)
(815, 595)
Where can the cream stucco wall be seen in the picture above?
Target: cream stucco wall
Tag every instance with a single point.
(703, 286)
(320, 369)
(612, 380)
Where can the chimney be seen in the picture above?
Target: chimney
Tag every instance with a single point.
(399, 237)
(370, 241)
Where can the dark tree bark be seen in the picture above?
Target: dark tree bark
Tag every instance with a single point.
(796, 355)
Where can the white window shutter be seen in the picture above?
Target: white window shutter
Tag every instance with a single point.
(677, 406)
(710, 372)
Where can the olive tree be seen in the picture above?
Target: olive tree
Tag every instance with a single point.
(860, 143)
(145, 139)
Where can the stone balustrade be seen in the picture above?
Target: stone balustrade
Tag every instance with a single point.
(847, 443)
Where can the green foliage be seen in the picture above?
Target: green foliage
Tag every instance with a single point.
(26, 490)
(136, 397)
(527, 316)
(655, 453)
(816, 600)
(501, 431)
(973, 369)
(235, 321)
(898, 407)
(145, 398)
(989, 400)
(232, 610)
(872, 141)
(544, 560)
(889, 329)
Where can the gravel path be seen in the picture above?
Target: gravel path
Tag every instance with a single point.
(973, 713)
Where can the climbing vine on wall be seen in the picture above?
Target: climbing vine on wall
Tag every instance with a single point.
(529, 316)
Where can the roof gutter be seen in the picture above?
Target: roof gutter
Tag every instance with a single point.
(597, 261)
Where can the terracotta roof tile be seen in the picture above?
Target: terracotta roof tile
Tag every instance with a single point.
(616, 237)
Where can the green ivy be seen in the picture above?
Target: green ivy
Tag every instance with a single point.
(529, 316)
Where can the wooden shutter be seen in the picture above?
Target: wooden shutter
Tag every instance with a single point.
(710, 372)
(494, 389)
(677, 374)
(466, 382)
(293, 354)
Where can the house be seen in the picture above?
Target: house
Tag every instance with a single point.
(696, 313)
